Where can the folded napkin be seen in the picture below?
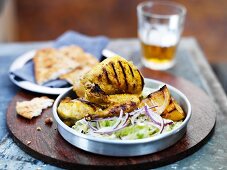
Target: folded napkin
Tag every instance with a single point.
(93, 45)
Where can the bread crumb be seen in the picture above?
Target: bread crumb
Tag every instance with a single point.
(38, 128)
(28, 142)
(48, 121)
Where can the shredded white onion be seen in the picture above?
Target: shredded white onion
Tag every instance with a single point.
(108, 130)
(133, 118)
(122, 121)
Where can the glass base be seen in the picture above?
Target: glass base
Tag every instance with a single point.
(158, 66)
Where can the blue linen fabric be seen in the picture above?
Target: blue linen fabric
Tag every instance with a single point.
(8, 90)
(93, 45)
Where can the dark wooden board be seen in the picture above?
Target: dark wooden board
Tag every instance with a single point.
(48, 146)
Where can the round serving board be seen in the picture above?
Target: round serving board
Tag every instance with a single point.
(48, 146)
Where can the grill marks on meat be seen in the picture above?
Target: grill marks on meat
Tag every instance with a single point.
(106, 75)
(97, 89)
(125, 77)
(132, 73)
(115, 109)
(110, 84)
(126, 71)
(93, 105)
(115, 73)
(125, 107)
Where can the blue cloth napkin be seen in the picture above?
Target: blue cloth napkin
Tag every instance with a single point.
(93, 45)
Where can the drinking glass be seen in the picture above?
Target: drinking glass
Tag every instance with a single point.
(160, 25)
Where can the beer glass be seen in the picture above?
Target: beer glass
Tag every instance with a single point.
(160, 24)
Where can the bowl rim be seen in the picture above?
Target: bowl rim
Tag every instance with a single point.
(125, 142)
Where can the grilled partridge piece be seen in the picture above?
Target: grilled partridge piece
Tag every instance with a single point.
(114, 75)
(111, 86)
(79, 108)
(96, 95)
(114, 109)
(76, 109)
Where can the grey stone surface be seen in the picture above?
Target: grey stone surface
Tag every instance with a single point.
(220, 70)
(190, 65)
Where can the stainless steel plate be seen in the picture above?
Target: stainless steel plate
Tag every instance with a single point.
(27, 85)
(125, 147)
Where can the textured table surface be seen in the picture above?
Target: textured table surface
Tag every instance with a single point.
(191, 65)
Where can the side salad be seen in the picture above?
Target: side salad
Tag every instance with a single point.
(139, 124)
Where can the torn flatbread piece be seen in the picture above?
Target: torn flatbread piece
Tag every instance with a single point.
(34, 107)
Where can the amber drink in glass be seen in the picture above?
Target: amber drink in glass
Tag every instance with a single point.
(160, 25)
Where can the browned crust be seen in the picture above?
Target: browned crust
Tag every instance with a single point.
(51, 63)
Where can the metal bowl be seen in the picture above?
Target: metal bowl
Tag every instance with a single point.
(125, 147)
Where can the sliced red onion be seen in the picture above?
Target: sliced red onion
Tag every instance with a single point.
(124, 120)
(92, 127)
(107, 131)
(151, 115)
(167, 122)
(162, 124)
(140, 110)
(118, 120)
(160, 120)
(156, 118)
(151, 107)
(120, 124)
